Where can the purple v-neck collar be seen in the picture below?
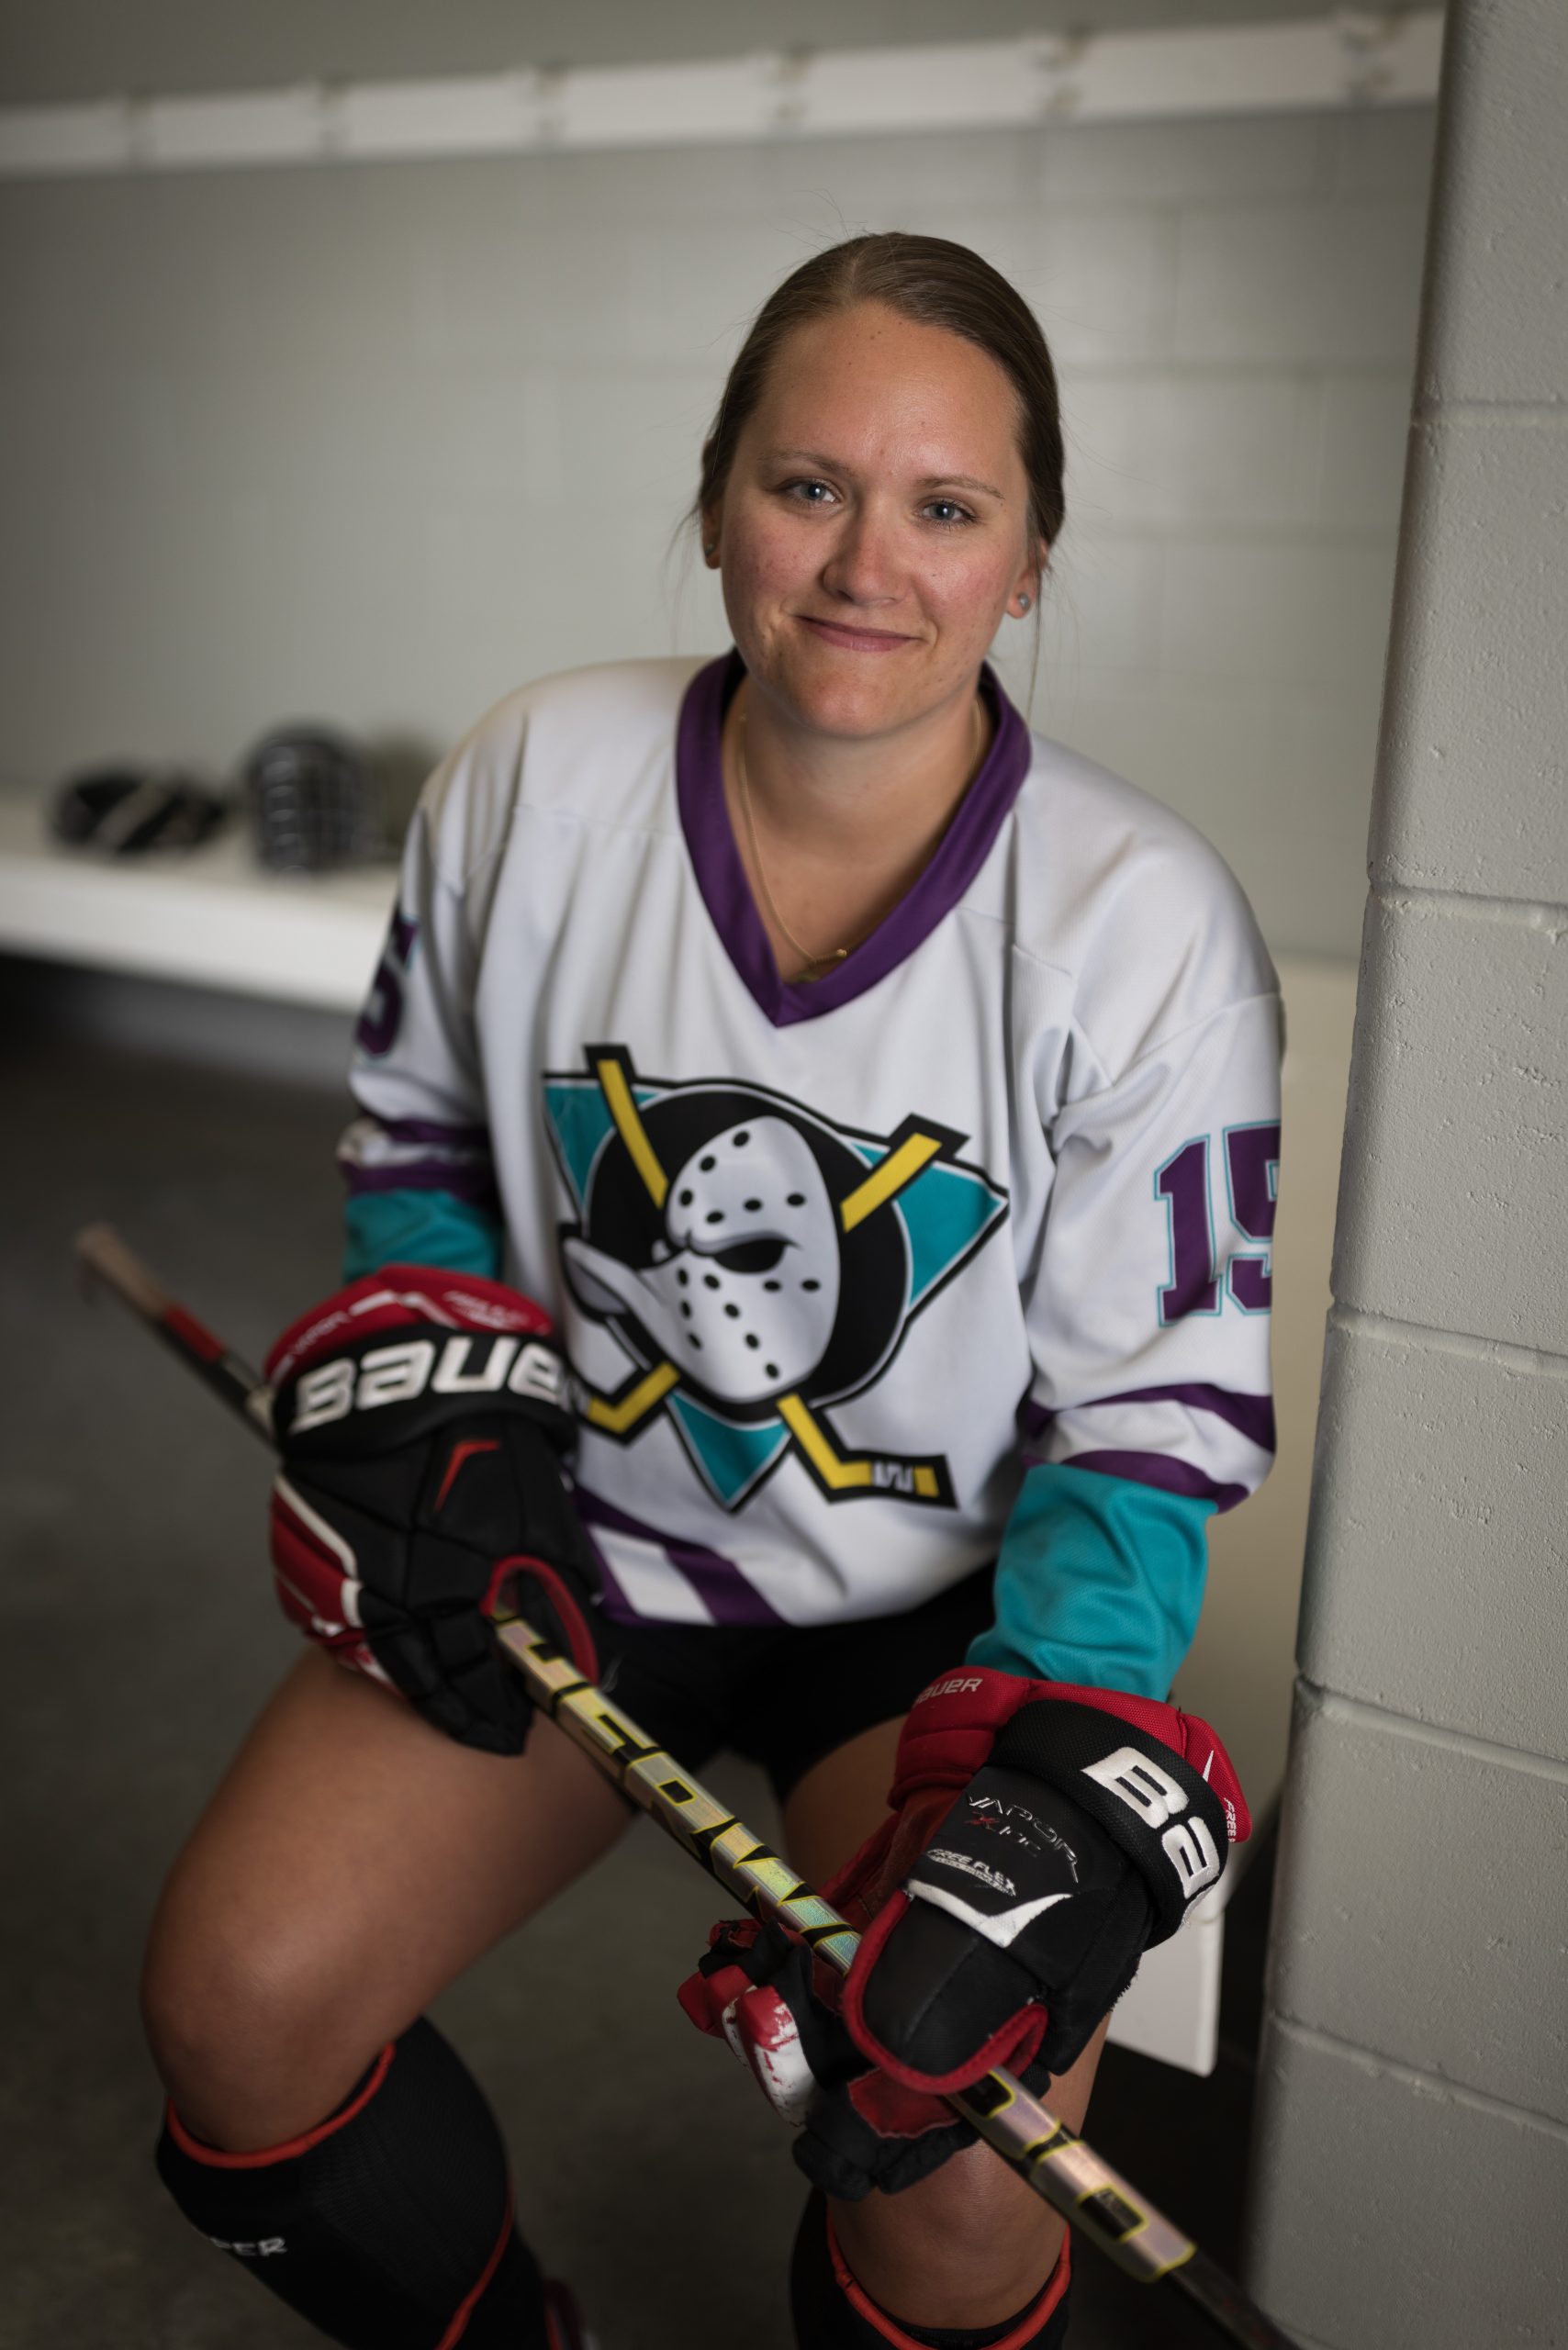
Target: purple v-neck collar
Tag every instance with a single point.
(721, 877)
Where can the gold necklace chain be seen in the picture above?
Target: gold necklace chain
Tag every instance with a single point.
(814, 966)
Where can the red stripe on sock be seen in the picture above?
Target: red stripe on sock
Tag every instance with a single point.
(1042, 2307)
(467, 2306)
(562, 2322)
(215, 2159)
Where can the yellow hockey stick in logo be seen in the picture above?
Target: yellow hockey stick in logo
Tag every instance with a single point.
(628, 1125)
(633, 1403)
(842, 1475)
(895, 1174)
(616, 1414)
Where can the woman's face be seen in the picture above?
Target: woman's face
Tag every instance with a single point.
(874, 528)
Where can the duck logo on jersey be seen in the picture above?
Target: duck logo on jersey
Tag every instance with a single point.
(756, 1265)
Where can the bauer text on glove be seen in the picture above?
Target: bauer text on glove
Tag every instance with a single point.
(423, 1424)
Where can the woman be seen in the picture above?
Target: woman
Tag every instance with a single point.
(883, 1104)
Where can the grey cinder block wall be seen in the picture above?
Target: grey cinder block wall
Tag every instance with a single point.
(1413, 2151)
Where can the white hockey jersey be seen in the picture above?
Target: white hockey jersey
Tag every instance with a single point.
(834, 1262)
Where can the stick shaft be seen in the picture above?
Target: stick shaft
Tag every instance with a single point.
(1057, 2164)
(105, 1258)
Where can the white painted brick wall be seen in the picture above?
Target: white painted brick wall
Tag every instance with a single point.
(1461, 1445)
(1454, 1206)
(92, 47)
(1405, 2214)
(375, 445)
(1455, 1948)
(1506, 229)
(1291, 285)
(1478, 763)
(1411, 2170)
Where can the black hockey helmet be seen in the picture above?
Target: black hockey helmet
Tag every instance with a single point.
(311, 800)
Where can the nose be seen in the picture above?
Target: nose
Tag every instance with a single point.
(864, 567)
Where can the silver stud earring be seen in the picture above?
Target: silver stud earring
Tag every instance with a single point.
(711, 548)
(1024, 603)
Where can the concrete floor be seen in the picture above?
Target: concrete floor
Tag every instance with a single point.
(141, 1637)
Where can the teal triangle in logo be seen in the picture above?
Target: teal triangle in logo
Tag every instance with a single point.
(729, 1456)
(947, 1212)
(581, 1122)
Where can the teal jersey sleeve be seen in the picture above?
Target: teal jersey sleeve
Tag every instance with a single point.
(420, 1228)
(1099, 1581)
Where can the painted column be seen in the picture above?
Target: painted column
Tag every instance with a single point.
(1411, 2171)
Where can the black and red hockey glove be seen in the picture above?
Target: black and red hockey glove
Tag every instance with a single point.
(424, 1426)
(1043, 1837)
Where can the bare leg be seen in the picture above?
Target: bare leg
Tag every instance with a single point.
(971, 2245)
(351, 1864)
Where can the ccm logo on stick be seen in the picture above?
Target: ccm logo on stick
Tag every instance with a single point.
(399, 1373)
(1154, 1795)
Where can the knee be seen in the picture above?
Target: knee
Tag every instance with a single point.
(970, 2245)
(248, 2029)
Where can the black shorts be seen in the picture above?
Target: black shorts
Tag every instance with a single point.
(785, 1696)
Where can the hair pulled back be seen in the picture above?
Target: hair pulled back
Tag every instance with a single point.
(933, 283)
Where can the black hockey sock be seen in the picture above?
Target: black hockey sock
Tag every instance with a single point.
(832, 2313)
(388, 2226)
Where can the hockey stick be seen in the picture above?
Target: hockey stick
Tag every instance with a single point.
(1059, 2166)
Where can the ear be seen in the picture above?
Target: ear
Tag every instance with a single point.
(710, 523)
(1028, 581)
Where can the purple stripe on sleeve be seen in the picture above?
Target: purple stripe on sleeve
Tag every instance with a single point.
(434, 1130)
(721, 877)
(1251, 1415)
(474, 1185)
(1034, 1419)
(718, 1582)
(1161, 1468)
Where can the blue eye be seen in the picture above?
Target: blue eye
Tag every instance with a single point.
(954, 514)
(800, 491)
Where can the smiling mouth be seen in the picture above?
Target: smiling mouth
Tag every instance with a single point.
(868, 636)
